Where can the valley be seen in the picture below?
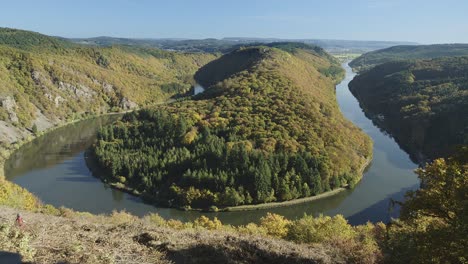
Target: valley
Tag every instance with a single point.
(189, 151)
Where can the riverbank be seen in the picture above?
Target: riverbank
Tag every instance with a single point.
(323, 195)
(7, 152)
(100, 173)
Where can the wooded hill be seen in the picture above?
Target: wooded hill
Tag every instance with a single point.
(423, 103)
(404, 52)
(267, 128)
(46, 80)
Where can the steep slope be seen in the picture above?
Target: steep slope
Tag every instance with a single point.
(371, 59)
(423, 104)
(267, 128)
(46, 81)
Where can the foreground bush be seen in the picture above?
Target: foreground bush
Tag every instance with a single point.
(433, 227)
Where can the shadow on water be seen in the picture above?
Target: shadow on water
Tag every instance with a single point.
(76, 179)
(382, 211)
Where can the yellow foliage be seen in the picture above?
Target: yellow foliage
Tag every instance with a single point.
(156, 219)
(15, 196)
(275, 225)
(122, 217)
(311, 229)
(176, 224)
(205, 222)
(190, 136)
(252, 229)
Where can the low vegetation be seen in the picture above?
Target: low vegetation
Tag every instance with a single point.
(423, 104)
(123, 238)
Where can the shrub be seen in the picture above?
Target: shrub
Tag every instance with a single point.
(275, 225)
(122, 217)
(17, 197)
(309, 229)
(156, 219)
(205, 222)
(252, 229)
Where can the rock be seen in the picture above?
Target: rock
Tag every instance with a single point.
(9, 104)
(37, 77)
(42, 122)
(126, 104)
(58, 100)
(107, 87)
(80, 91)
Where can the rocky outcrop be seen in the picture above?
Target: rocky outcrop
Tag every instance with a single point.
(108, 88)
(127, 104)
(80, 91)
(9, 104)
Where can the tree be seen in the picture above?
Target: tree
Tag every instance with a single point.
(434, 219)
(34, 129)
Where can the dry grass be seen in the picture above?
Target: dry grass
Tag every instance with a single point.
(123, 238)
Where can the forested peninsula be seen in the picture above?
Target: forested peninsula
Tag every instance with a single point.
(266, 129)
(422, 103)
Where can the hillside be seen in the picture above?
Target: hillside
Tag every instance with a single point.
(266, 129)
(226, 45)
(423, 104)
(31, 40)
(373, 58)
(46, 81)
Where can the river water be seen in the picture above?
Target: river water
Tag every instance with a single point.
(53, 167)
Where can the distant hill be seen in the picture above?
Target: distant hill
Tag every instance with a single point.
(371, 59)
(226, 45)
(267, 128)
(30, 40)
(422, 103)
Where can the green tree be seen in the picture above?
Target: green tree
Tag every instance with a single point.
(434, 221)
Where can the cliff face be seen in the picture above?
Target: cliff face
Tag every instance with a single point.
(46, 81)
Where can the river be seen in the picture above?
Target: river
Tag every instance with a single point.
(53, 167)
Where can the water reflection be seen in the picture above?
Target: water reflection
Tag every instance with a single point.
(56, 146)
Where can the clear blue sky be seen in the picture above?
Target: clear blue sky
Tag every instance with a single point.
(428, 21)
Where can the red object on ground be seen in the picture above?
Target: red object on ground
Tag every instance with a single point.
(19, 220)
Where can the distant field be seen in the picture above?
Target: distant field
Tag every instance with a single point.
(343, 57)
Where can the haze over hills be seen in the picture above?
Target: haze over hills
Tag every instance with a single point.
(228, 44)
(371, 59)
